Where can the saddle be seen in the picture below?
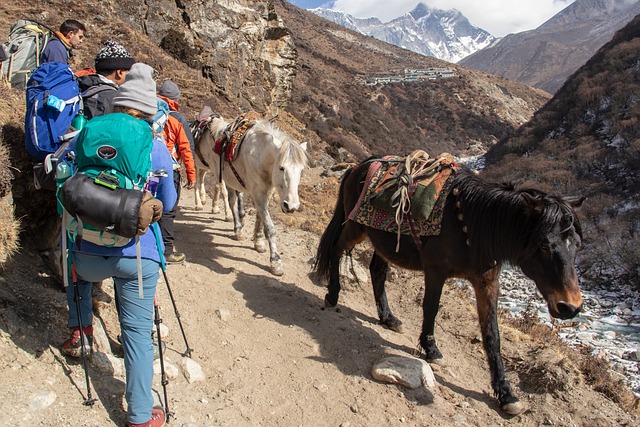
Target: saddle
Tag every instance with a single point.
(406, 195)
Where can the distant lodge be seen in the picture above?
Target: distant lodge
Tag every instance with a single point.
(409, 75)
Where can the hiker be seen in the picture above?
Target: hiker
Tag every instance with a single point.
(136, 98)
(112, 63)
(177, 139)
(60, 48)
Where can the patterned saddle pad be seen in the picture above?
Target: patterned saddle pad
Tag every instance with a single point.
(377, 205)
(232, 137)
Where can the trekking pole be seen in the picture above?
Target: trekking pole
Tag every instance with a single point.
(164, 381)
(163, 267)
(189, 350)
(76, 297)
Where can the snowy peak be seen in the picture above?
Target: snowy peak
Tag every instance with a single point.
(443, 34)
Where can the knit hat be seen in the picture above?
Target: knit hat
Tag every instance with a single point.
(113, 56)
(169, 90)
(138, 90)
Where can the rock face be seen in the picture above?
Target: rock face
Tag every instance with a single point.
(240, 45)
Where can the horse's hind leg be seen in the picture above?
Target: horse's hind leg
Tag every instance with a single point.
(486, 289)
(350, 235)
(379, 268)
(199, 189)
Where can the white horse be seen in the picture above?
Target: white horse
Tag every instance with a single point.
(267, 160)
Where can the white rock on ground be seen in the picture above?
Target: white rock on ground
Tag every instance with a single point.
(192, 370)
(407, 371)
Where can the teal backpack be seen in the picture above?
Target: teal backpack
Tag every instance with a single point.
(110, 171)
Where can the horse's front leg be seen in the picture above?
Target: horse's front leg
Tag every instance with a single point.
(434, 281)
(378, 268)
(224, 194)
(487, 289)
(259, 240)
(199, 189)
(262, 215)
(237, 221)
(215, 199)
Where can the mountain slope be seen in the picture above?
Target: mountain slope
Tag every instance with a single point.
(463, 114)
(546, 56)
(586, 141)
(443, 34)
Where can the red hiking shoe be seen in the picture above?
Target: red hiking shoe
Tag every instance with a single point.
(158, 419)
(73, 346)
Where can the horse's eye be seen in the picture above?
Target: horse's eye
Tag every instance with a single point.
(545, 247)
(282, 168)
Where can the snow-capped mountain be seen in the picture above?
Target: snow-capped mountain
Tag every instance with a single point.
(444, 34)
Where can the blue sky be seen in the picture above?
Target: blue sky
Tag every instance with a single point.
(499, 17)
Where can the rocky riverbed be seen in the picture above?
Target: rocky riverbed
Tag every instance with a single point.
(609, 323)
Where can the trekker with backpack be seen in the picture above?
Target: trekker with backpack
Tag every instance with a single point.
(177, 139)
(127, 127)
(60, 48)
(112, 63)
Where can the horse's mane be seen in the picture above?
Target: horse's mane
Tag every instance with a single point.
(290, 150)
(505, 223)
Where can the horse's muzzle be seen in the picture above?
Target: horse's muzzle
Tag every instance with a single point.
(289, 207)
(565, 310)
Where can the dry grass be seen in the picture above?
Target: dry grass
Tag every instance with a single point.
(557, 366)
(9, 225)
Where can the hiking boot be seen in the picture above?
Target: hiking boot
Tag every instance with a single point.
(158, 419)
(175, 258)
(73, 346)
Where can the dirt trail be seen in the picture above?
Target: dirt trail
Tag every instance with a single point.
(271, 354)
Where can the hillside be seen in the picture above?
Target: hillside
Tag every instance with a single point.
(546, 56)
(586, 141)
(464, 114)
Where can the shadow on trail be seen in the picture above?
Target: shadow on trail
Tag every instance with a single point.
(204, 242)
(343, 335)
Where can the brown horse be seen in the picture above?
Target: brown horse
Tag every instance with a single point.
(484, 225)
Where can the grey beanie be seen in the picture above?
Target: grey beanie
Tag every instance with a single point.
(138, 90)
(169, 90)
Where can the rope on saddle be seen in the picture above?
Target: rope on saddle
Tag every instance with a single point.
(417, 166)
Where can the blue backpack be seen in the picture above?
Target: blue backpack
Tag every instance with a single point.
(53, 101)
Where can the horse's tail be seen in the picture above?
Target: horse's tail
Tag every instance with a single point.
(322, 262)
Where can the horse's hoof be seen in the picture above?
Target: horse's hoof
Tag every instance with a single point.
(277, 269)
(514, 408)
(228, 219)
(239, 236)
(394, 324)
(328, 303)
(199, 208)
(397, 328)
(260, 246)
(215, 210)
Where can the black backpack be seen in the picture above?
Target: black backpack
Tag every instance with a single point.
(97, 95)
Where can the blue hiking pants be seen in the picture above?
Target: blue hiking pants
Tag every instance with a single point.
(135, 315)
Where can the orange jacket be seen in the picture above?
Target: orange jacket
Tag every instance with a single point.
(177, 141)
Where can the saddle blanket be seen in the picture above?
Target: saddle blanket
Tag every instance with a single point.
(427, 197)
(233, 136)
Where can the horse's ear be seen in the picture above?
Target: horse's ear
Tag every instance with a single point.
(574, 201)
(534, 205)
